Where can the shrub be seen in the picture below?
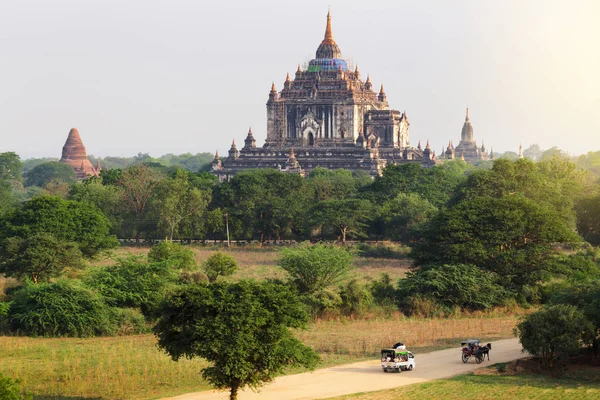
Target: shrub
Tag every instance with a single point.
(554, 331)
(314, 268)
(58, 309)
(128, 321)
(174, 254)
(381, 251)
(219, 264)
(356, 299)
(10, 389)
(463, 286)
(424, 306)
(322, 303)
(133, 282)
(383, 291)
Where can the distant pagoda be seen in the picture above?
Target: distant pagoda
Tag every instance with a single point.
(74, 154)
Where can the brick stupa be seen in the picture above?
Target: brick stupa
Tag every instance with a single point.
(74, 154)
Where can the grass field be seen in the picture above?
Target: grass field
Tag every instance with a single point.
(577, 385)
(131, 367)
(261, 263)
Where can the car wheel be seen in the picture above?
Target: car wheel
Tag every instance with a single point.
(410, 367)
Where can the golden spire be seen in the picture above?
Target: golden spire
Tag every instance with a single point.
(368, 79)
(467, 117)
(273, 89)
(381, 91)
(298, 70)
(287, 78)
(328, 35)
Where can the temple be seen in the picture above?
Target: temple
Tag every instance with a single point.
(467, 148)
(327, 116)
(74, 154)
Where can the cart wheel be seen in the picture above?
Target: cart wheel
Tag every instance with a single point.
(465, 357)
(410, 367)
(478, 359)
(385, 370)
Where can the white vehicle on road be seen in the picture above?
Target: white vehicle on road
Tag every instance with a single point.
(395, 360)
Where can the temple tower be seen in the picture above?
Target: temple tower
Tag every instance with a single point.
(74, 154)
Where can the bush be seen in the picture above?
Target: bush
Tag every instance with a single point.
(383, 291)
(314, 268)
(133, 283)
(554, 331)
(174, 254)
(322, 303)
(10, 389)
(59, 309)
(420, 305)
(219, 264)
(356, 299)
(128, 321)
(463, 286)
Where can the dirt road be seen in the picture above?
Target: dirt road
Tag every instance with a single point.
(367, 376)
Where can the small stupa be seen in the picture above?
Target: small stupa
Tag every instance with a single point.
(74, 154)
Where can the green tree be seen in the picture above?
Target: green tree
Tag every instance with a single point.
(41, 174)
(173, 254)
(402, 213)
(66, 220)
(138, 185)
(219, 264)
(458, 285)
(241, 329)
(38, 257)
(512, 236)
(588, 218)
(178, 201)
(104, 196)
(554, 331)
(11, 167)
(346, 216)
(314, 268)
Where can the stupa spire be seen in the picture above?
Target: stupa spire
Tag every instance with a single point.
(467, 116)
(328, 39)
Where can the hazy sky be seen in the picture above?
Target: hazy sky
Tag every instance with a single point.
(163, 76)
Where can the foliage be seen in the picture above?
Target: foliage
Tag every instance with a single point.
(11, 167)
(38, 257)
(356, 298)
(41, 174)
(10, 389)
(107, 198)
(512, 236)
(314, 268)
(554, 331)
(173, 254)
(62, 308)
(138, 185)
(383, 291)
(322, 303)
(405, 211)
(128, 321)
(588, 218)
(132, 282)
(178, 202)
(66, 220)
(346, 216)
(219, 264)
(242, 329)
(455, 285)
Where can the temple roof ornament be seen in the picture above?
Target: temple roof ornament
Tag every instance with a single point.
(328, 49)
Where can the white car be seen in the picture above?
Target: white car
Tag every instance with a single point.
(393, 360)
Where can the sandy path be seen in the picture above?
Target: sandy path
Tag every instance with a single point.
(366, 376)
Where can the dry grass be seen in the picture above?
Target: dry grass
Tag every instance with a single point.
(359, 338)
(261, 263)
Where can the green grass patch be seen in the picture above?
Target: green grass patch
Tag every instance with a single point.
(526, 386)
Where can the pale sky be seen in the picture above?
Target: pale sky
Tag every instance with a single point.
(175, 76)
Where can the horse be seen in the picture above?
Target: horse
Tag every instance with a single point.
(485, 350)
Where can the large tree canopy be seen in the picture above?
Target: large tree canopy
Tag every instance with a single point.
(512, 236)
(241, 329)
(66, 220)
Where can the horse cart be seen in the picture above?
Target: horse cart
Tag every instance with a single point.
(472, 348)
(397, 360)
